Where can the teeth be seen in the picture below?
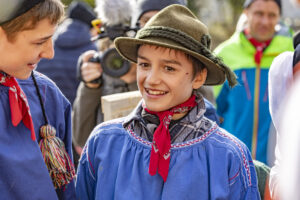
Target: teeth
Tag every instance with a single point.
(155, 92)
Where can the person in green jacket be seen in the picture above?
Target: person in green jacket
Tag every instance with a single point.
(249, 53)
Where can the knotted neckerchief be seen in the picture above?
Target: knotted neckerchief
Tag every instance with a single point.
(161, 145)
(19, 107)
(259, 46)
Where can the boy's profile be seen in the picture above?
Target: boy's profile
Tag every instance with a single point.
(35, 139)
(166, 148)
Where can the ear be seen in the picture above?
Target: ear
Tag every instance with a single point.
(3, 36)
(200, 79)
(2, 33)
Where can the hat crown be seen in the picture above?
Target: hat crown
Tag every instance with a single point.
(179, 18)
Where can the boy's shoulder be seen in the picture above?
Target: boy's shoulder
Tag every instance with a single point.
(229, 141)
(46, 87)
(111, 127)
(41, 79)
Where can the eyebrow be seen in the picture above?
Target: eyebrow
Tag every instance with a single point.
(44, 38)
(142, 57)
(172, 62)
(164, 60)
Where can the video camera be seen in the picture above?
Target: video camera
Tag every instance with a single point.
(111, 62)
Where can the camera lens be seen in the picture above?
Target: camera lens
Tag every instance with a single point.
(113, 64)
(114, 61)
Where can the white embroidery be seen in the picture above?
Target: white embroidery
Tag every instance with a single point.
(167, 155)
(154, 147)
(2, 79)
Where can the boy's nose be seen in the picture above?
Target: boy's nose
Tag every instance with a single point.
(48, 51)
(153, 77)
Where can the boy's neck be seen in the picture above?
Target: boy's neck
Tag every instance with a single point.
(177, 116)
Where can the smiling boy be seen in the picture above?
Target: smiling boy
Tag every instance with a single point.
(32, 109)
(166, 148)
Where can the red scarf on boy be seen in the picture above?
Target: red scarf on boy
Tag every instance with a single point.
(19, 107)
(161, 145)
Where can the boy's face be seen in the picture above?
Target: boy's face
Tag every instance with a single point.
(164, 77)
(20, 56)
(262, 18)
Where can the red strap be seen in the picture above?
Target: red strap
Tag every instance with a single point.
(161, 145)
(19, 107)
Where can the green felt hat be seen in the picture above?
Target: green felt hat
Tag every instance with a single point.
(176, 27)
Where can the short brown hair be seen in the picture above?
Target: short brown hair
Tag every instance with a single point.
(50, 9)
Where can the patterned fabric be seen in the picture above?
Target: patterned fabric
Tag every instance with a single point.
(160, 152)
(187, 128)
(215, 165)
(19, 107)
(147, 124)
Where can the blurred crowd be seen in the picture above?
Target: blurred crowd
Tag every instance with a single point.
(262, 110)
(249, 110)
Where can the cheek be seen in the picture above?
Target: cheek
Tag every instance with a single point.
(140, 77)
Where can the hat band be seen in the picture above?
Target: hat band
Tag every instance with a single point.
(177, 36)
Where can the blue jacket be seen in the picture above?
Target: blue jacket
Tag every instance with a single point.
(23, 173)
(215, 165)
(245, 108)
(71, 39)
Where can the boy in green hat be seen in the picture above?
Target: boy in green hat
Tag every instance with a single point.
(166, 148)
(35, 138)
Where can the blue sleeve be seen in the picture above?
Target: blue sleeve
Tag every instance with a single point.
(85, 182)
(211, 112)
(243, 181)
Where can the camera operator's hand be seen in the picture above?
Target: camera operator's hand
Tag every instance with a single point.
(90, 70)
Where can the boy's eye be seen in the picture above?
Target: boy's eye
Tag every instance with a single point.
(143, 65)
(168, 68)
(39, 43)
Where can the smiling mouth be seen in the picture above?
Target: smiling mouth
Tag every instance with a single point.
(155, 92)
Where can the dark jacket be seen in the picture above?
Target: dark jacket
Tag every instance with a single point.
(71, 39)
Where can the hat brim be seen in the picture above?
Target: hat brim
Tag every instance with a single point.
(128, 47)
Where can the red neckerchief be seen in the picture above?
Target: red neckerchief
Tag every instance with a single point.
(19, 107)
(161, 145)
(259, 46)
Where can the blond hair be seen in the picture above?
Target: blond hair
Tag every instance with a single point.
(47, 9)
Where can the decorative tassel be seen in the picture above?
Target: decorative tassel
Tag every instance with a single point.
(58, 162)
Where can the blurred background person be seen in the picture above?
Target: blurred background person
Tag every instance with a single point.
(87, 112)
(71, 39)
(249, 53)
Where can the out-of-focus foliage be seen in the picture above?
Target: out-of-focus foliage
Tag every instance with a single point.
(237, 8)
(90, 2)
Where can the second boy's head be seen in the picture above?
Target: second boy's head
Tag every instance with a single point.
(173, 58)
(26, 35)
